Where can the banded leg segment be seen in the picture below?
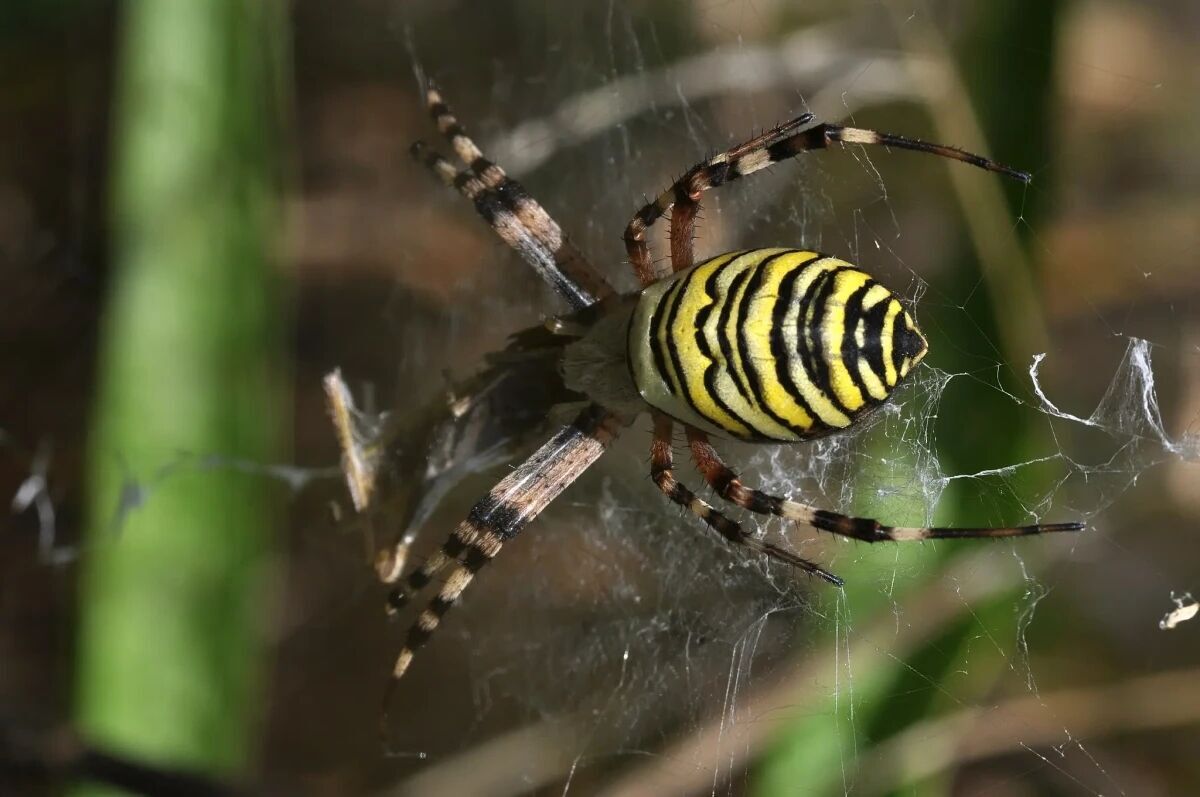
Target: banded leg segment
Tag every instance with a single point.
(509, 209)
(507, 224)
(501, 515)
(727, 485)
(390, 563)
(781, 143)
(480, 545)
(662, 472)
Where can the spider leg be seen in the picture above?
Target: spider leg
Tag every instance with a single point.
(775, 145)
(823, 135)
(516, 500)
(683, 231)
(391, 561)
(508, 208)
(662, 471)
(684, 194)
(727, 485)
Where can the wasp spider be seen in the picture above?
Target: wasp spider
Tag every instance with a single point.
(770, 345)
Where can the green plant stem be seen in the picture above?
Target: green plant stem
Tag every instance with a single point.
(172, 594)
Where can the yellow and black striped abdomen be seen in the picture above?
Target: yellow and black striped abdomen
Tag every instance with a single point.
(770, 344)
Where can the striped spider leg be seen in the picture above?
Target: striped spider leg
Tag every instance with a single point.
(521, 222)
(662, 472)
(777, 345)
(786, 141)
(509, 209)
(726, 483)
(501, 515)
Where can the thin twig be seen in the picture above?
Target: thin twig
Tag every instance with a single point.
(509, 764)
(1162, 700)
(1006, 267)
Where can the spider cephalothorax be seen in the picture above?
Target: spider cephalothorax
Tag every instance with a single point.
(763, 345)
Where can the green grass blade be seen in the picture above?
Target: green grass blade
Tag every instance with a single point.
(172, 596)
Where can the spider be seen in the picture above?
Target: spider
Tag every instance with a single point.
(765, 345)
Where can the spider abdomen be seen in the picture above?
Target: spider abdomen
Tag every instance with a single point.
(770, 344)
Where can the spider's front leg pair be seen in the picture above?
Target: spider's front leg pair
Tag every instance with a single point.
(522, 223)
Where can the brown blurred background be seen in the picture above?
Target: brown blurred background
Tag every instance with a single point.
(616, 649)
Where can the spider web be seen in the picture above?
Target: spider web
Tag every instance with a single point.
(644, 655)
(616, 647)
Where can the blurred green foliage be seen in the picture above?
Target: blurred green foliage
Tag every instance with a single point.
(173, 595)
(887, 699)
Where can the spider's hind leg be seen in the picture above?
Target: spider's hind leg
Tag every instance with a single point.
(727, 485)
(501, 515)
(662, 471)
